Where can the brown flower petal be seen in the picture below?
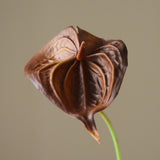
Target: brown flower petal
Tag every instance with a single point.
(79, 73)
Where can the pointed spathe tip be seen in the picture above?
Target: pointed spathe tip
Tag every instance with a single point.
(90, 126)
(95, 135)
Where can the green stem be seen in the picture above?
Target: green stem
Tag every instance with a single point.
(113, 134)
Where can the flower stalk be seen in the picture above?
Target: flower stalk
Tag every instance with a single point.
(113, 134)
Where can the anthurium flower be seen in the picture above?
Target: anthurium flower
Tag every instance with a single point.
(79, 73)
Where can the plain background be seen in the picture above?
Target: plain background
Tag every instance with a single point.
(31, 128)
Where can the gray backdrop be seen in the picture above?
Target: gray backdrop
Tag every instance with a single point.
(31, 128)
